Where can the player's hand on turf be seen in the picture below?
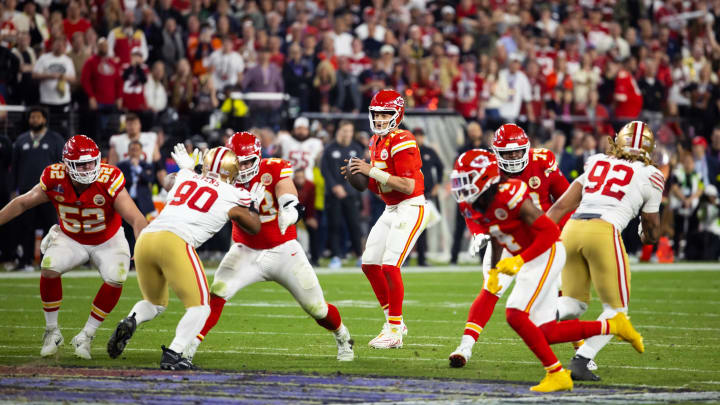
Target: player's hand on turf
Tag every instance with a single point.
(181, 157)
(493, 282)
(510, 265)
(356, 165)
(477, 242)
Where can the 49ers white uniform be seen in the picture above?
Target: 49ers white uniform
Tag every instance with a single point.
(270, 255)
(301, 154)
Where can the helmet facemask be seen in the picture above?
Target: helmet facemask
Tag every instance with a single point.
(83, 177)
(512, 165)
(245, 175)
(375, 123)
(463, 186)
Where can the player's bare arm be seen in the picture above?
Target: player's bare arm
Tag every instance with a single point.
(402, 184)
(529, 213)
(650, 227)
(22, 203)
(246, 219)
(569, 201)
(125, 206)
(495, 252)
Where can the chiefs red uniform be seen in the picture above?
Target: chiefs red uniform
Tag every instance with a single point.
(545, 181)
(270, 173)
(396, 153)
(88, 218)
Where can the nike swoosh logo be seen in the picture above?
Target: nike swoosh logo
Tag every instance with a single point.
(293, 254)
(57, 342)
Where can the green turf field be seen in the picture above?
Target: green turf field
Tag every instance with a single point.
(262, 328)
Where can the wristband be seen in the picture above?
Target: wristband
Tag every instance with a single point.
(379, 175)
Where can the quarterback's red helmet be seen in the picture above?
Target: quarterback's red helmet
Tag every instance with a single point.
(389, 102)
(511, 138)
(475, 171)
(247, 147)
(80, 150)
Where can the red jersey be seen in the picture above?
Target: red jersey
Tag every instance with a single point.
(626, 85)
(396, 153)
(271, 172)
(467, 92)
(88, 218)
(133, 93)
(502, 218)
(545, 181)
(102, 79)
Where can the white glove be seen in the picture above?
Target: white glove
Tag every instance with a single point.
(477, 242)
(48, 239)
(183, 160)
(288, 214)
(640, 230)
(257, 193)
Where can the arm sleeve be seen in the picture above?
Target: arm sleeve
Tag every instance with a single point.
(546, 234)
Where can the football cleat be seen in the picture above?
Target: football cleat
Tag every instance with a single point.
(558, 381)
(174, 361)
(389, 338)
(52, 339)
(81, 343)
(579, 369)
(460, 356)
(621, 327)
(122, 334)
(344, 344)
(190, 350)
(592, 366)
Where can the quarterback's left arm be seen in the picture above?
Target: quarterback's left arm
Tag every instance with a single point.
(290, 210)
(569, 202)
(125, 206)
(546, 233)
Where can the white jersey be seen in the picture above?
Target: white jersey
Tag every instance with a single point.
(302, 155)
(197, 207)
(121, 143)
(618, 189)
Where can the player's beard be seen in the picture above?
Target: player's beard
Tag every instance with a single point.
(37, 128)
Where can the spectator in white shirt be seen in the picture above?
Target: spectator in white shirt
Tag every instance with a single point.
(55, 73)
(226, 65)
(519, 91)
(155, 92)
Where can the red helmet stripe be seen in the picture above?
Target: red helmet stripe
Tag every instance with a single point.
(215, 167)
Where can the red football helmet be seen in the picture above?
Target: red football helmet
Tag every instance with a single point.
(475, 171)
(247, 147)
(511, 138)
(389, 102)
(80, 150)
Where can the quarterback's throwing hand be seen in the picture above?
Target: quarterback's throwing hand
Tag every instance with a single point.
(493, 282)
(510, 265)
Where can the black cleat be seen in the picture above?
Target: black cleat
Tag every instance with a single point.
(122, 334)
(579, 370)
(174, 361)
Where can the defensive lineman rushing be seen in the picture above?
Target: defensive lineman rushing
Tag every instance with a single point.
(90, 199)
(197, 207)
(613, 189)
(506, 211)
(538, 169)
(394, 175)
(274, 254)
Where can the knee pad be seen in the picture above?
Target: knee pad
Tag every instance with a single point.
(318, 309)
(570, 308)
(609, 312)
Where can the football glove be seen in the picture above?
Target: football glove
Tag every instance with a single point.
(49, 238)
(640, 231)
(183, 160)
(477, 242)
(510, 265)
(493, 282)
(290, 211)
(257, 195)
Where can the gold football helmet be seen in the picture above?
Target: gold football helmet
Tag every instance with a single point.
(636, 138)
(221, 163)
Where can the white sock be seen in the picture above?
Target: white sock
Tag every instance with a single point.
(467, 340)
(387, 313)
(91, 326)
(51, 319)
(145, 311)
(189, 326)
(593, 345)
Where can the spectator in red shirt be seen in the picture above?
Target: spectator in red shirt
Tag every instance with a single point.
(627, 97)
(74, 21)
(102, 82)
(466, 90)
(134, 77)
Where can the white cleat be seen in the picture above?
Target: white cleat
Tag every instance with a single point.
(344, 344)
(460, 356)
(391, 337)
(52, 339)
(81, 343)
(191, 348)
(382, 332)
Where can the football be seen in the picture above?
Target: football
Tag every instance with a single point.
(359, 181)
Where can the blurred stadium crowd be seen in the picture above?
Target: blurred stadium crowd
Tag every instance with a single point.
(162, 71)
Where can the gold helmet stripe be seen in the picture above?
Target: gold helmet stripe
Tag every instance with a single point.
(637, 135)
(215, 167)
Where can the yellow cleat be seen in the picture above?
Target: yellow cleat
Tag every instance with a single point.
(558, 381)
(621, 327)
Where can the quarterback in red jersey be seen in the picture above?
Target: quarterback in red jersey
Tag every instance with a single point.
(544, 183)
(394, 175)
(90, 199)
(504, 209)
(274, 254)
